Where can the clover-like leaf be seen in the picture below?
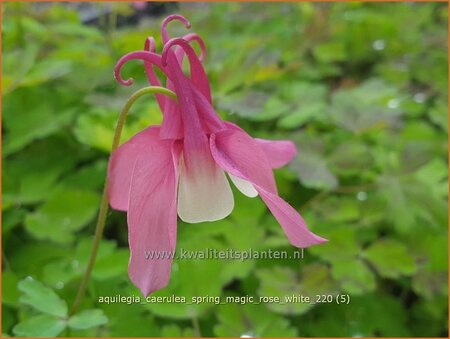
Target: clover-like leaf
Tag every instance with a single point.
(373, 104)
(10, 293)
(65, 212)
(41, 326)
(28, 117)
(342, 245)
(236, 320)
(285, 283)
(87, 319)
(390, 258)
(353, 276)
(42, 298)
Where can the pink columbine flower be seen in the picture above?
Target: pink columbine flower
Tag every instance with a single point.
(184, 166)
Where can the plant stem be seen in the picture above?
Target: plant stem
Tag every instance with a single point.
(101, 220)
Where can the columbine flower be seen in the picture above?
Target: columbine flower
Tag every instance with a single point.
(181, 167)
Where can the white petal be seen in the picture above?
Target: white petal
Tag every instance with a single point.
(204, 194)
(244, 186)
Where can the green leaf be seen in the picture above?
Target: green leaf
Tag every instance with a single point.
(306, 102)
(434, 175)
(430, 284)
(11, 219)
(111, 262)
(173, 331)
(428, 249)
(46, 70)
(87, 319)
(284, 283)
(187, 279)
(273, 108)
(33, 172)
(254, 105)
(84, 247)
(417, 152)
(313, 171)
(139, 323)
(61, 271)
(350, 158)
(311, 164)
(390, 258)
(64, 213)
(302, 115)
(57, 274)
(370, 314)
(398, 209)
(439, 114)
(330, 51)
(75, 29)
(245, 104)
(251, 320)
(41, 252)
(28, 117)
(341, 245)
(16, 64)
(96, 128)
(243, 221)
(90, 177)
(112, 265)
(41, 326)
(10, 293)
(337, 210)
(372, 105)
(42, 298)
(8, 321)
(428, 316)
(353, 276)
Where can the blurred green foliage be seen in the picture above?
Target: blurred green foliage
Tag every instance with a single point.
(362, 90)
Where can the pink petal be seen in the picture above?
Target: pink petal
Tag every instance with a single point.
(204, 192)
(279, 152)
(172, 125)
(244, 186)
(150, 46)
(149, 57)
(195, 37)
(195, 143)
(210, 119)
(120, 167)
(290, 220)
(247, 159)
(167, 20)
(152, 215)
(237, 153)
(198, 74)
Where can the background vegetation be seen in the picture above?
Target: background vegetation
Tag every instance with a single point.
(361, 89)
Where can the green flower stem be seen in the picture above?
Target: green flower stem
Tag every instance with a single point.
(101, 220)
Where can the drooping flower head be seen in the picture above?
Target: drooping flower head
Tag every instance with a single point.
(184, 167)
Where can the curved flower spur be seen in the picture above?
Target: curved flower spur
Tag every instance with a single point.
(180, 167)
